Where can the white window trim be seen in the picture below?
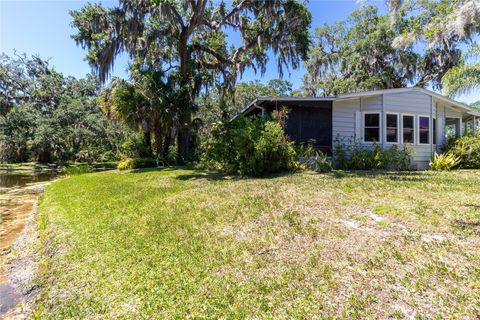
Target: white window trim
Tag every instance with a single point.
(398, 127)
(429, 129)
(414, 128)
(380, 124)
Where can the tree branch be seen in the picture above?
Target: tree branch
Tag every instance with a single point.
(225, 20)
(217, 55)
(195, 19)
(176, 15)
(244, 48)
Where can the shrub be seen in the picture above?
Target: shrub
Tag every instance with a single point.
(355, 156)
(305, 152)
(252, 146)
(309, 158)
(171, 158)
(77, 169)
(444, 161)
(340, 154)
(467, 149)
(321, 163)
(135, 163)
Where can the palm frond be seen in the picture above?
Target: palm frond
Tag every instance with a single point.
(461, 80)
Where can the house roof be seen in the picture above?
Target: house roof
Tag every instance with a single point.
(261, 99)
(437, 96)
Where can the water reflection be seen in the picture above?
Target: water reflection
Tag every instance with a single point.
(10, 180)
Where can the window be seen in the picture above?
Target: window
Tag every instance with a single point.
(434, 130)
(424, 130)
(371, 127)
(408, 129)
(392, 128)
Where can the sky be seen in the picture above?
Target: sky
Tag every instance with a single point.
(43, 28)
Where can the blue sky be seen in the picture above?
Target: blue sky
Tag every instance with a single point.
(43, 27)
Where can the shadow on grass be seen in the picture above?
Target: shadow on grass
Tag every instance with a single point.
(198, 174)
(415, 176)
(158, 169)
(219, 176)
(467, 225)
(207, 175)
(473, 206)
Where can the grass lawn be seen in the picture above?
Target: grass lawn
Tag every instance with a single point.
(178, 243)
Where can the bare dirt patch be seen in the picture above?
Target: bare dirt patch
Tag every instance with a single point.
(18, 240)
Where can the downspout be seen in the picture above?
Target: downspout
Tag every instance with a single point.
(360, 138)
(382, 127)
(436, 129)
(431, 126)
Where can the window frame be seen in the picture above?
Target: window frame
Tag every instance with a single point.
(386, 123)
(414, 128)
(429, 129)
(380, 124)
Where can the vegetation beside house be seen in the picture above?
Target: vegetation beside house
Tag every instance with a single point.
(185, 243)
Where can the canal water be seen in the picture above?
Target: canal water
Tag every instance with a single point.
(19, 193)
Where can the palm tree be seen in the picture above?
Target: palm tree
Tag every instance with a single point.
(122, 101)
(461, 79)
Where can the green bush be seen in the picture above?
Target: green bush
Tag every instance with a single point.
(252, 146)
(444, 161)
(172, 157)
(77, 169)
(467, 149)
(321, 163)
(309, 158)
(135, 163)
(355, 156)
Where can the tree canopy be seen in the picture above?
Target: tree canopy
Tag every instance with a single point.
(190, 41)
(48, 117)
(445, 25)
(359, 54)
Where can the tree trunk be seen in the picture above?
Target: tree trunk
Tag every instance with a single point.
(147, 139)
(168, 141)
(183, 137)
(185, 101)
(158, 135)
(45, 155)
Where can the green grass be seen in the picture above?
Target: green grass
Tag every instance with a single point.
(178, 243)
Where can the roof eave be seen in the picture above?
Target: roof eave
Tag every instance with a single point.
(400, 90)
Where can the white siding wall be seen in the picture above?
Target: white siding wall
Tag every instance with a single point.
(343, 119)
(414, 103)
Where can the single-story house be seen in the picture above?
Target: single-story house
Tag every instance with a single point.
(418, 117)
